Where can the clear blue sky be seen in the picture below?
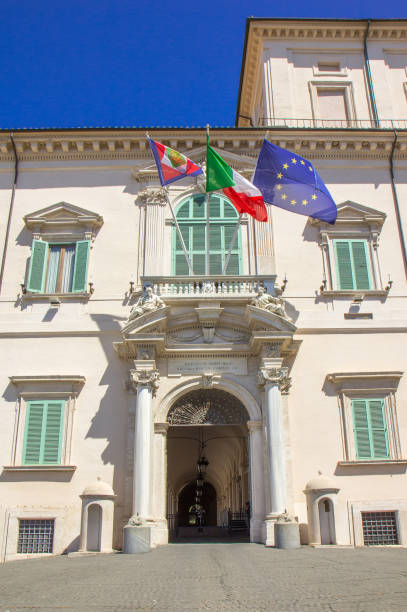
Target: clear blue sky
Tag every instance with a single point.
(95, 63)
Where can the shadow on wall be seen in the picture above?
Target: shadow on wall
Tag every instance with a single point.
(110, 422)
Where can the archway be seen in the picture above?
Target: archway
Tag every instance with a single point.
(207, 425)
(94, 530)
(326, 521)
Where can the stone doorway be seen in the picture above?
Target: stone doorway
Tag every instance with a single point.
(212, 424)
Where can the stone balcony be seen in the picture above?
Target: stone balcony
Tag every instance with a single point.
(209, 287)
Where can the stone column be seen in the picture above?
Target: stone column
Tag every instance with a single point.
(257, 497)
(160, 534)
(137, 533)
(275, 381)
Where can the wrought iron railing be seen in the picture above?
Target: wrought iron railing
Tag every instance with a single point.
(357, 124)
(206, 286)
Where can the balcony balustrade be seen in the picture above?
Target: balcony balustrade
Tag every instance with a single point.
(356, 124)
(213, 286)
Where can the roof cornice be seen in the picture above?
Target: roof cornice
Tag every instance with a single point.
(132, 144)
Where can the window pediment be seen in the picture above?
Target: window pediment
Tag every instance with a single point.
(63, 219)
(354, 214)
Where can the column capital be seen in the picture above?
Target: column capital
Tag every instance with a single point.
(144, 378)
(274, 376)
(254, 425)
(161, 428)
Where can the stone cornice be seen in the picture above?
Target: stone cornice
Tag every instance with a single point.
(131, 145)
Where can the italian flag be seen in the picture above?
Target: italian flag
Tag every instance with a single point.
(242, 193)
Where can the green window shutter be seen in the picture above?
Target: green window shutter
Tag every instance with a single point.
(361, 428)
(53, 433)
(360, 265)
(198, 237)
(181, 265)
(38, 263)
(214, 206)
(344, 264)
(33, 433)
(198, 264)
(192, 217)
(215, 262)
(233, 265)
(43, 432)
(378, 428)
(370, 429)
(81, 266)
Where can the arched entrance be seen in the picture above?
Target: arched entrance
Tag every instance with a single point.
(326, 521)
(208, 466)
(94, 528)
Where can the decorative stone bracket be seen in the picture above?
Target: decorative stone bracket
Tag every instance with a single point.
(276, 376)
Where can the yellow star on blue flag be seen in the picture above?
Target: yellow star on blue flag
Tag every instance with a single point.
(285, 178)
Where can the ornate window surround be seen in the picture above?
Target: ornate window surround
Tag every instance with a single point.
(354, 221)
(62, 223)
(44, 387)
(367, 385)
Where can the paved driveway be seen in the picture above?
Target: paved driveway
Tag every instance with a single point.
(211, 577)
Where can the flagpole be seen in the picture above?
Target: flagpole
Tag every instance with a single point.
(207, 260)
(184, 248)
(232, 243)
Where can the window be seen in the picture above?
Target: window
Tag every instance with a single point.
(191, 216)
(350, 251)
(35, 536)
(58, 268)
(369, 428)
(379, 528)
(62, 234)
(352, 264)
(368, 417)
(43, 432)
(44, 422)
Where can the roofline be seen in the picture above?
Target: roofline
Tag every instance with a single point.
(325, 19)
(246, 37)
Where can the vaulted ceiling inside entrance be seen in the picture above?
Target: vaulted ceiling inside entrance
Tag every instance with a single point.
(207, 406)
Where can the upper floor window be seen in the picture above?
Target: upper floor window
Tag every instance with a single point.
(352, 264)
(63, 234)
(191, 216)
(350, 257)
(58, 268)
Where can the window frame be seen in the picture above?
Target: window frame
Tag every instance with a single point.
(45, 269)
(57, 225)
(45, 420)
(355, 222)
(382, 386)
(349, 98)
(191, 221)
(31, 389)
(368, 258)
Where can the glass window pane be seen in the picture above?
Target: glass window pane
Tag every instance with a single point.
(53, 267)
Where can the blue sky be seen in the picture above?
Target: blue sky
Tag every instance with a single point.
(95, 63)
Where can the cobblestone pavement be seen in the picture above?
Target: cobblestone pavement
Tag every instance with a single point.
(211, 577)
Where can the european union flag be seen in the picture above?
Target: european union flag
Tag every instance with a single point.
(289, 181)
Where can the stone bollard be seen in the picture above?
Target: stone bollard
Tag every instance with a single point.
(287, 534)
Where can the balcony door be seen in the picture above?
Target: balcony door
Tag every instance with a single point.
(191, 216)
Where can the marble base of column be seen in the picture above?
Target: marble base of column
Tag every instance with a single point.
(257, 530)
(136, 539)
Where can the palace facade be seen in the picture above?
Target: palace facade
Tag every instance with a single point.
(141, 402)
